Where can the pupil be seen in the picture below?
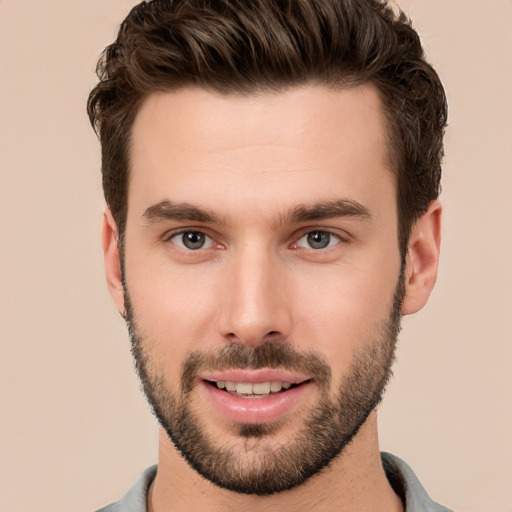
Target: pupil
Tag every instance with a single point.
(319, 239)
(193, 240)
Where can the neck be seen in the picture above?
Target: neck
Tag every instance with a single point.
(354, 481)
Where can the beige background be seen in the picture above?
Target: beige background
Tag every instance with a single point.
(75, 430)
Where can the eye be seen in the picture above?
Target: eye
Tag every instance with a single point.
(318, 240)
(191, 240)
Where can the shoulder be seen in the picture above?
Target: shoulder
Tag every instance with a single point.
(135, 499)
(406, 484)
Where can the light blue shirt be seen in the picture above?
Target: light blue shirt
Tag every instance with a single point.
(400, 475)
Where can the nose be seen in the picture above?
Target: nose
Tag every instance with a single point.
(254, 305)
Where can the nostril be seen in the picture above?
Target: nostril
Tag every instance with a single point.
(273, 336)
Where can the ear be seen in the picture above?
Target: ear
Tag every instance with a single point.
(112, 260)
(422, 259)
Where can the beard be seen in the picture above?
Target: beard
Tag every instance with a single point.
(259, 467)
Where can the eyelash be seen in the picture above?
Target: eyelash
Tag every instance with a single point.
(295, 245)
(324, 232)
(177, 234)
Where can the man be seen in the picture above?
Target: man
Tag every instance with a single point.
(271, 170)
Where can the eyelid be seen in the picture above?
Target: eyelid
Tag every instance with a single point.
(341, 236)
(209, 243)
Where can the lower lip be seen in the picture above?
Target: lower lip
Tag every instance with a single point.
(256, 410)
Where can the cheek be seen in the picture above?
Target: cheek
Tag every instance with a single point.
(342, 313)
(174, 309)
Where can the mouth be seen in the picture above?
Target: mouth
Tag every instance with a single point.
(255, 396)
(254, 390)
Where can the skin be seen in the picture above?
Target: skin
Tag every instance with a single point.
(251, 161)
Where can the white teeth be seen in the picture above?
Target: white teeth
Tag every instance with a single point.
(230, 386)
(275, 386)
(244, 389)
(262, 388)
(259, 388)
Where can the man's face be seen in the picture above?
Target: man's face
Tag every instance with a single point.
(262, 276)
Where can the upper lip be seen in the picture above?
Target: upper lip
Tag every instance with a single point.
(254, 376)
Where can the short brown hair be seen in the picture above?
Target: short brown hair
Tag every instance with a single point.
(246, 46)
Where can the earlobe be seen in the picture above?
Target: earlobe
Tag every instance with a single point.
(422, 259)
(112, 259)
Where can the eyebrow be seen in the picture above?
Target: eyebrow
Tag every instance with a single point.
(168, 210)
(329, 210)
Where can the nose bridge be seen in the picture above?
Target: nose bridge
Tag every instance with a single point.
(253, 303)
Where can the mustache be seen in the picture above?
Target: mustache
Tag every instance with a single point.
(269, 354)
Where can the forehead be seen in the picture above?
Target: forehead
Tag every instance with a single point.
(196, 145)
